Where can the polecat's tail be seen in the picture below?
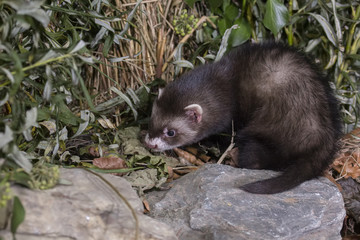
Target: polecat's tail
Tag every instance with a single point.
(293, 176)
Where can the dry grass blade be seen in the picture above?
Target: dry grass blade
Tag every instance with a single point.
(151, 35)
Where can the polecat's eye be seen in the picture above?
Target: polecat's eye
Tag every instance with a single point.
(170, 133)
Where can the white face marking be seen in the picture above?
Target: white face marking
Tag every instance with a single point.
(157, 144)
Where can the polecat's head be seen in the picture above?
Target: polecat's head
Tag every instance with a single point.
(173, 122)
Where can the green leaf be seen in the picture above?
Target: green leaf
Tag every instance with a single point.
(241, 34)
(108, 44)
(353, 56)
(231, 12)
(85, 91)
(21, 177)
(43, 114)
(6, 137)
(65, 115)
(276, 16)
(329, 31)
(30, 8)
(222, 26)
(20, 158)
(126, 99)
(18, 214)
(191, 2)
(78, 46)
(85, 116)
(183, 63)
(214, 4)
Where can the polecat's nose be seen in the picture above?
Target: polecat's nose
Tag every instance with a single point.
(149, 142)
(151, 145)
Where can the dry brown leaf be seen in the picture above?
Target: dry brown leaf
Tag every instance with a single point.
(192, 150)
(188, 156)
(184, 170)
(146, 206)
(347, 163)
(347, 166)
(171, 174)
(355, 132)
(109, 163)
(204, 158)
(176, 176)
(106, 123)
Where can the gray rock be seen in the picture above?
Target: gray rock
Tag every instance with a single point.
(89, 209)
(208, 204)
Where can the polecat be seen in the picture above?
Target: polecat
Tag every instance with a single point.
(285, 115)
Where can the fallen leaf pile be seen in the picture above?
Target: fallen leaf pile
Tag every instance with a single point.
(348, 170)
(347, 164)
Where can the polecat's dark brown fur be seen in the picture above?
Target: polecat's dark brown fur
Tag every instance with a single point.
(285, 114)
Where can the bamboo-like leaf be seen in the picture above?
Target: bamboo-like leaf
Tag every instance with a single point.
(224, 43)
(129, 18)
(202, 60)
(340, 58)
(332, 59)
(6, 137)
(109, 104)
(119, 59)
(85, 116)
(75, 79)
(78, 46)
(30, 121)
(4, 100)
(183, 63)
(312, 44)
(20, 159)
(88, 60)
(8, 74)
(210, 56)
(47, 90)
(127, 100)
(49, 55)
(329, 31)
(337, 23)
(85, 91)
(133, 96)
(98, 37)
(30, 8)
(104, 24)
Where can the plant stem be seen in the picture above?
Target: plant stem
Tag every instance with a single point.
(38, 64)
(290, 30)
(351, 47)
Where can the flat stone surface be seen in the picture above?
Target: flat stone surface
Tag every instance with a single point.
(88, 209)
(208, 204)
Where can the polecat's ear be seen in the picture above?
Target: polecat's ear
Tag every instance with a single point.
(194, 112)
(161, 90)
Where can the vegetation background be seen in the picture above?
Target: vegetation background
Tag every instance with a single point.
(71, 70)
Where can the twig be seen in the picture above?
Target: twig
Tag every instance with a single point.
(231, 146)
